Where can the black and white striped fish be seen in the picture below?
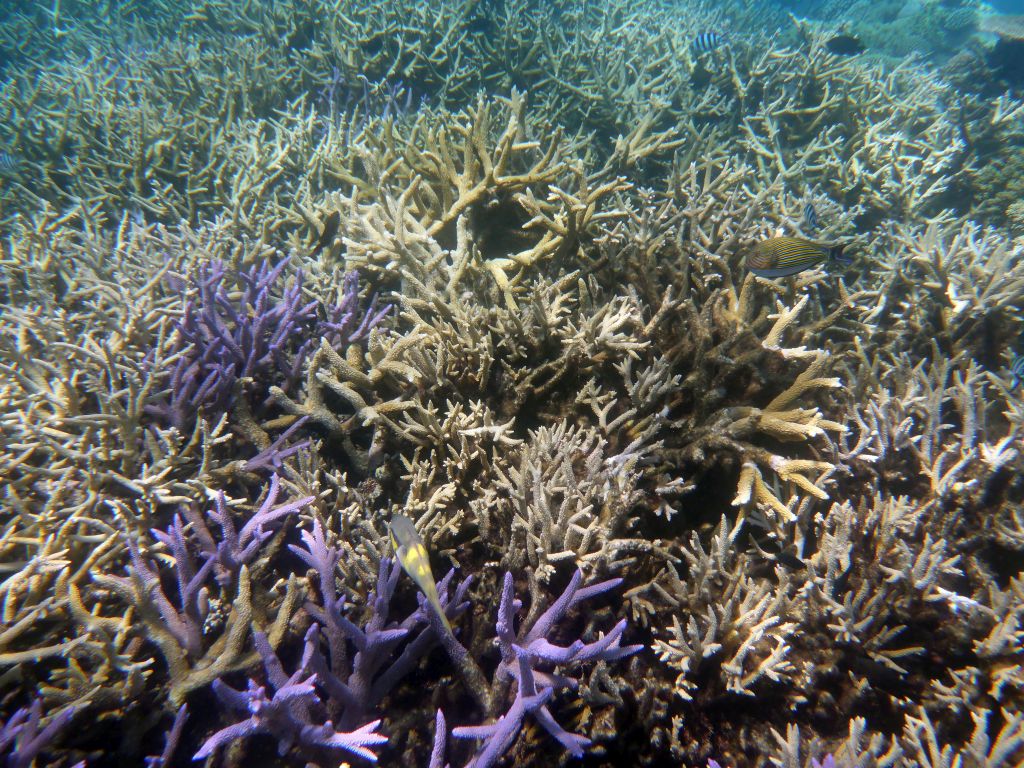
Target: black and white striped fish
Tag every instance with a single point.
(1017, 371)
(9, 163)
(773, 551)
(785, 256)
(707, 41)
(810, 216)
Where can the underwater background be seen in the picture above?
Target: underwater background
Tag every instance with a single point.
(506, 382)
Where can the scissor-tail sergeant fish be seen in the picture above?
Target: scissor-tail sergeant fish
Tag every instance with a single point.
(707, 41)
(415, 561)
(784, 256)
(9, 164)
(1016, 371)
(777, 553)
(810, 216)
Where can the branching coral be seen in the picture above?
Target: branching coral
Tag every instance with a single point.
(229, 345)
(952, 282)
(523, 656)
(356, 683)
(196, 643)
(722, 612)
(810, 486)
(288, 715)
(23, 736)
(564, 498)
(447, 174)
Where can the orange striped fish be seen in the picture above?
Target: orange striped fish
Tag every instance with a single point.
(784, 256)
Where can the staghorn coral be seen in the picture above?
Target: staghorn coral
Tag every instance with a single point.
(524, 655)
(287, 715)
(387, 651)
(227, 346)
(1000, 184)
(964, 280)
(171, 740)
(196, 643)
(563, 498)
(726, 614)
(446, 174)
(23, 736)
(919, 745)
(356, 683)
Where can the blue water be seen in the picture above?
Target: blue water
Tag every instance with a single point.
(1008, 6)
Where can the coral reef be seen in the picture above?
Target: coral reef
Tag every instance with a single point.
(898, 28)
(481, 264)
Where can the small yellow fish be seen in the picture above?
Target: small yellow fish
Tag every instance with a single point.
(415, 561)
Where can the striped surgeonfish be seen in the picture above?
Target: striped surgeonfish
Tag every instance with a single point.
(784, 256)
(415, 561)
(706, 41)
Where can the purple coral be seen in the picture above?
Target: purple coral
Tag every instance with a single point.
(530, 699)
(333, 683)
(24, 736)
(534, 642)
(524, 655)
(234, 547)
(293, 714)
(355, 686)
(254, 337)
(171, 740)
(223, 555)
(274, 454)
(185, 621)
(440, 733)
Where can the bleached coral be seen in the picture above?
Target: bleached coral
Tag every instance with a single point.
(722, 613)
(563, 497)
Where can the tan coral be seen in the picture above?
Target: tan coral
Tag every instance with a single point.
(453, 169)
(1007, 26)
(719, 611)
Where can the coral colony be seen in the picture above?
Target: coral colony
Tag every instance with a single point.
(682, 340)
